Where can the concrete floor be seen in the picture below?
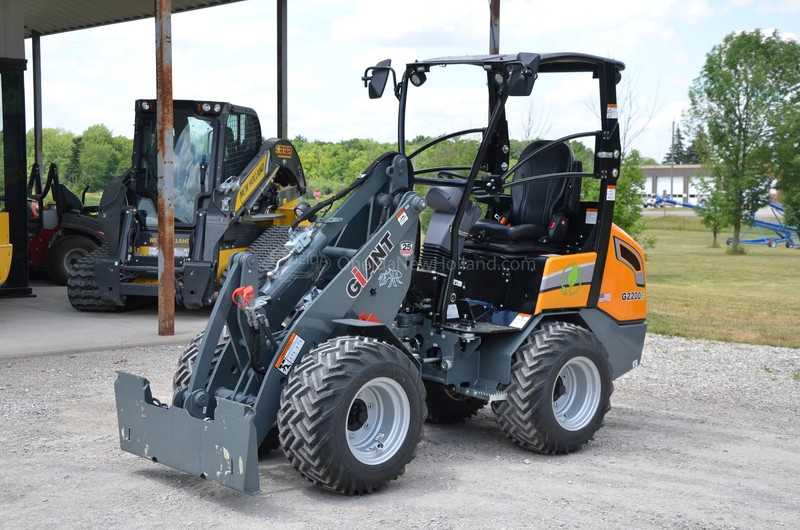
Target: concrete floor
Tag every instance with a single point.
(46, 324)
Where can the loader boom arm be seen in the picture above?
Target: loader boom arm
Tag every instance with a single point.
(335, 268)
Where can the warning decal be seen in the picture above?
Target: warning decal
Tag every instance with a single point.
(520, 320)
(289, 353)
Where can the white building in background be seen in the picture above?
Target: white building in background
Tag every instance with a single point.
(680, 182)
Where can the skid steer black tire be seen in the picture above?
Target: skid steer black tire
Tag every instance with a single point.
(327, 407)
(64, 253)
(82, 289)
(559, 392)
(446, 406)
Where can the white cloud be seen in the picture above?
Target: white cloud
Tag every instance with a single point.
(783, 7)
(697, 10)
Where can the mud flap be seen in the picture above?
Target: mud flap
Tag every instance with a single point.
(223, 450)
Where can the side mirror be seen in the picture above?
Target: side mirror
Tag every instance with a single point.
(376, 82)
(522, 78)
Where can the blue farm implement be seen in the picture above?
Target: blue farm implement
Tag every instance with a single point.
(770, 233)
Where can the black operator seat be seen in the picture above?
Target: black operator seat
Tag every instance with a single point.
(537, 204)
(68, 201)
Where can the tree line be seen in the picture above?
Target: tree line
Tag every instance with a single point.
(90, 159)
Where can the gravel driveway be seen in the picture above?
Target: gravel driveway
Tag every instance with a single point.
(701, 435)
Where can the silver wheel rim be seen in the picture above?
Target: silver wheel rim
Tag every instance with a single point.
(576, 393)
(72, 257)
(377, 421)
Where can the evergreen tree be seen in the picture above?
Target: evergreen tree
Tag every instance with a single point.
(72, 174)
(697, 152)
(676, 153)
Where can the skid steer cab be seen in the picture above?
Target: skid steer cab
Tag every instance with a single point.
(232, 189)
(521, 294)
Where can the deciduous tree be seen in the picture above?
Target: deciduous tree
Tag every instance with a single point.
(747, 87)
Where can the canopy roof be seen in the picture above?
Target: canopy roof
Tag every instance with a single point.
(56, 16)
(549, 62)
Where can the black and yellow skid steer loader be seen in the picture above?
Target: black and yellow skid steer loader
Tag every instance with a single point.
(232, 192)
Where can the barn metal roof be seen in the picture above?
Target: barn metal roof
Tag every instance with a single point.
(56, 16)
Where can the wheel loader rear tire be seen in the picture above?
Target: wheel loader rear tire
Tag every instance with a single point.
(351, 415)
(559, 392)
(446, 406)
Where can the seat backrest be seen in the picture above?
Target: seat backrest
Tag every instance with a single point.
(535, 202)
(68, 201)
(444, 201)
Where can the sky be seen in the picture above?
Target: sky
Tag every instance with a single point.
(228, 53)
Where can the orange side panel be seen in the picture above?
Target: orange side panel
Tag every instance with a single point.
(566, 281)
(623, 292)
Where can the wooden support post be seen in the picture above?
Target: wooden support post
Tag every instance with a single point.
(166, 176)
(494, 27)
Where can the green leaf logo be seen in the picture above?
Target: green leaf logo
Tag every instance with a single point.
(571, 279)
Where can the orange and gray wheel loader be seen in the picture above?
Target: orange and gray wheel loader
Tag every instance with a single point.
(366, 328)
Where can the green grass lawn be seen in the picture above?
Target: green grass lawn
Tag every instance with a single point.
(695, 290)
(93, 198)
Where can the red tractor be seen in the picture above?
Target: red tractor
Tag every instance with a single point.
(61, 231)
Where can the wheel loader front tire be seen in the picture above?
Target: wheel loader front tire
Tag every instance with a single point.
(351, 415)
(187, 359)
(559, 392)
